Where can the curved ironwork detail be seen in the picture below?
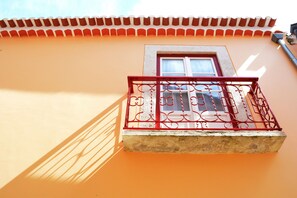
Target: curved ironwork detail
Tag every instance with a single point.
(197, 103)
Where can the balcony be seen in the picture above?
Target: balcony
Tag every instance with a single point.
(199, 115)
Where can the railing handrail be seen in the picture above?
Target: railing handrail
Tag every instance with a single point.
(189, 78)
(192, 78)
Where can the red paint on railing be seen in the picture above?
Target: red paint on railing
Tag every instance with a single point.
(197, 103)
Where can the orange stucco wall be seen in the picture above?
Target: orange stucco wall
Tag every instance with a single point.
(62, 106)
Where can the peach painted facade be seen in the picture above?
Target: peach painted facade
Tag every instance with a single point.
(62, 111)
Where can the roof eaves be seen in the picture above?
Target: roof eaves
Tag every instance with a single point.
(136, 26)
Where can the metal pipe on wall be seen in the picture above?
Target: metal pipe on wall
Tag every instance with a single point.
(278, 38)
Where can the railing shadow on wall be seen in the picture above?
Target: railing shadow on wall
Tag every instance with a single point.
(74, 160)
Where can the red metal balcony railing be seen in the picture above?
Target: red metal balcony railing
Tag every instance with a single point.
(197, 103)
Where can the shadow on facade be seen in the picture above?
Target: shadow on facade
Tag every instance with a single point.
(74, 161)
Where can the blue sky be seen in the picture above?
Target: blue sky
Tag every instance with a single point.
(284, 12)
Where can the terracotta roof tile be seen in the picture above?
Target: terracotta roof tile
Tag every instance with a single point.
(108, 21)
(41, 33)
(5, 33)
(229, 32)
(195, 21)
(47, 22)
(87, 32)
(50, 32)
(175, 21)
(59, 33)
(219, 32)
(20, 23)
(11, 23)
(127, 21)
(214, 22)
(137, 26)
(131, 32)
(23, 33)
(117, 21)
(92, 21)
(146, 21)
(105, 32)
(232, 22)
(210, 32)
(190, 32)
(136, 21)
(248, 33)
(14, 33)
(238, 32)
(2, 24)
(267, 33)
(242, 22)
(261, 22)
(271, 22)
(180, 32)
(161, 32)
(185, 21)
(65, 22)
(252, 22)
(113, 32)
(258, 33)
(56, 22)
(141, 32)
(223, 22)
(205, 21)
(32, 33)
(68, 32)
(82, 21)
(96, 32)
(200, 32)
(170, 32)
(100, 21)
(157, 21)
(78, 32)
(38, 22)
(165, 21)
(151, 32)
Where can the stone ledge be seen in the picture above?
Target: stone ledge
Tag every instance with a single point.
(203, 141)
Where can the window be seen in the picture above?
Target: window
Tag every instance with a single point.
(193, 66)
(185, 101)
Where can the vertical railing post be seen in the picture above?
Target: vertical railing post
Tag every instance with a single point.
(130, 91)
(229, 106)
(158, 105)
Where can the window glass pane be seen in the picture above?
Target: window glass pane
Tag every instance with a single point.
(202, 66)
(214, 88)
(203, 74)
(209, 102)
(174, 87)
(173, 74)
(172, 102)
(173, 65)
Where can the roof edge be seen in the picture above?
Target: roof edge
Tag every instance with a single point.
(137, 26)
(139, 21)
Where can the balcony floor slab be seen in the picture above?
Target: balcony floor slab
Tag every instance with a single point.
(203, 141)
